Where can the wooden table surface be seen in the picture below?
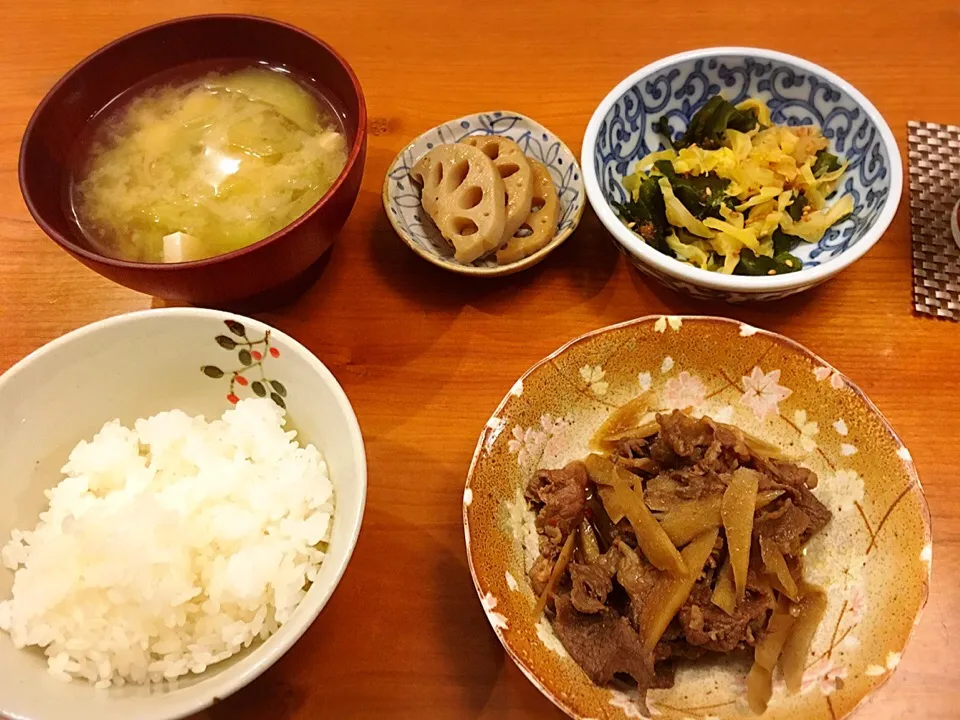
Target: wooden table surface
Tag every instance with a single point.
(425, 356)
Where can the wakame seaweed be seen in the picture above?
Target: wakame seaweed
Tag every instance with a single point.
(648, 213)
(709, 123)
(700, 194)
(825, 163)
(752, 264)
(782, 242)
(795, 209)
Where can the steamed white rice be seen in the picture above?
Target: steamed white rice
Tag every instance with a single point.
(170, 547)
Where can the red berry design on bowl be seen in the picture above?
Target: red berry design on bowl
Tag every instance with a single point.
(250, 354)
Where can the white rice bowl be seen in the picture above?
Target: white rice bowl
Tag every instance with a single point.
(170, 546)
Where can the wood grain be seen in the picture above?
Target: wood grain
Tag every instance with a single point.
(425, 356)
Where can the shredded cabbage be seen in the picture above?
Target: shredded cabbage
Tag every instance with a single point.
(724, 244)
(646, 162)
(765, 194)
(758, 106)
(631, 183)
(730, 263)
(745, 183)
(745, 237)
(687, 251)
(740, 144)
(677, 213)
(832, 177)
(812, 227)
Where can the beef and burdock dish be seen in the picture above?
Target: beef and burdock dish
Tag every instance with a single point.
(678, 540)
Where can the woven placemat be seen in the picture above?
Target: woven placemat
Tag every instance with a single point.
(934, 188)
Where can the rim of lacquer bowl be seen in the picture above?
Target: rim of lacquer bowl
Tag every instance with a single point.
(910, 466)
(231, 679)
(739, 283)
(71, 246)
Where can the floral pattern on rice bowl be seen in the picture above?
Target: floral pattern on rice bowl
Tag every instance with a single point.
(873, 558)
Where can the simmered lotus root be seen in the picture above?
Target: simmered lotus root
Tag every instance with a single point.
(542, 221)
(464, 195)
(516, 173)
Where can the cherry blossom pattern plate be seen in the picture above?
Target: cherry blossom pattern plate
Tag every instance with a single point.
(873, 558)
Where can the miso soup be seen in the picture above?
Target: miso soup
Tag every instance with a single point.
(203, 163)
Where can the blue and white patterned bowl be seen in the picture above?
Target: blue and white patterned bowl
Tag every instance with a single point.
(401, 196)
(798, 93)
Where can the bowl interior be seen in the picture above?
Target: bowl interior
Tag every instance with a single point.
(796, 95)
(402, 196)
(129, 61)
(135, 366)
(873, 558)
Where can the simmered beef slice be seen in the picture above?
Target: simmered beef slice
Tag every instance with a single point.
(793, 475)
(729, 447)
(637, 577)
(559, 497)
(790, 524)
(708, 627)
(671, 487)
(674, 645)
(787, 525)
(593, 582)
(551, 540)
(603, 644)
(816, 512)
(683, 440)
(794, 481)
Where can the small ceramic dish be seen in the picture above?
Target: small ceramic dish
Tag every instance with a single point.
(798, 92)
(873, 558)
(135, 366)
(401, 196)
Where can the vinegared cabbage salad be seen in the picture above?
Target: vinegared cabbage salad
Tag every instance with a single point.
(736, 193)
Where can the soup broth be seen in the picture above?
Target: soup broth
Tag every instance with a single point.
(205, 163)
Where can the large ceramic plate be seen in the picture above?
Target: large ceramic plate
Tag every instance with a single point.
(873, 558)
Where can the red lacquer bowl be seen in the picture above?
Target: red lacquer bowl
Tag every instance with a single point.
(268, 269)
